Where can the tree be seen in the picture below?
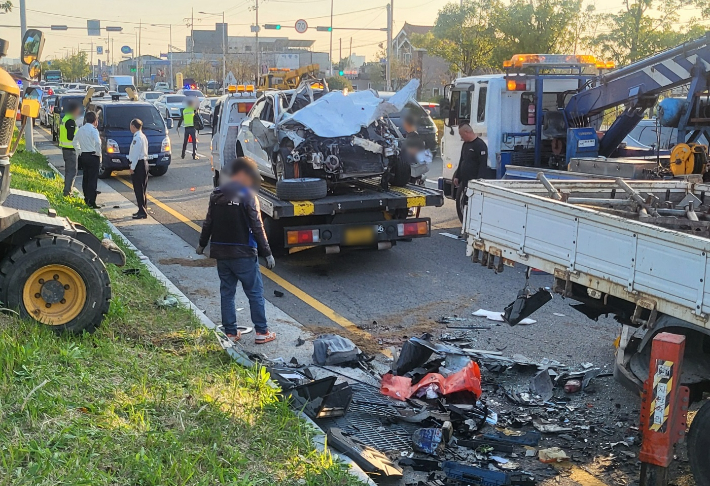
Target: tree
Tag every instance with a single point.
(200, 71)
(645, 27)
(535, 26)
(464, 35)
(73, 68)
(5, 6)
(242, 68)
(339, 83)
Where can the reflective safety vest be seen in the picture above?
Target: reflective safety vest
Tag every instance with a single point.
(64, 141)
(188, 116)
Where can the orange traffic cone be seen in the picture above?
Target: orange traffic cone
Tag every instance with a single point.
(189, 139)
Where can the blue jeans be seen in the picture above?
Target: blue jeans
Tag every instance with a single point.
(246, 271)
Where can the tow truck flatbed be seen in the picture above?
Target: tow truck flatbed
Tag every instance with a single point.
(355, 214)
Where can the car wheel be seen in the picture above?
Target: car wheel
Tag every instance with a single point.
(302, 189)
(158, 170)
(282, 169)
(401, 173)
(104, 173)
(698, 445)
(460, 204)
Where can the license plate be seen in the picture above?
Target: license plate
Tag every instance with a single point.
(153, 157)
(363, 235)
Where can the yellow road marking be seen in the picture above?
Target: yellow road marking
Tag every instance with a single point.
(298, 293)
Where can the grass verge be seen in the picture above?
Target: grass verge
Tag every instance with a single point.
(148, 399)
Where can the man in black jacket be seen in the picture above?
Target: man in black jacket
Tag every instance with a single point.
(234, 229)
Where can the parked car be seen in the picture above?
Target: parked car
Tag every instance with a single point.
(150, 96)
(313, 133)
(162, 86)
(432, 109)
(45, 110)
(192, 94)
(61, 105)
(426, 128)
(207, 109)
(170, 105)
(116, 137)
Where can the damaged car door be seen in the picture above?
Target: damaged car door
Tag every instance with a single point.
(257, 135)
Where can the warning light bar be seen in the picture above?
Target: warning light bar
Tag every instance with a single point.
(557, 60)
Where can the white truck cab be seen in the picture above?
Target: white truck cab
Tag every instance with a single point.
(503, 113)
(230, 110)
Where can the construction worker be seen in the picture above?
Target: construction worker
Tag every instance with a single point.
(187, 117)
(67, 130)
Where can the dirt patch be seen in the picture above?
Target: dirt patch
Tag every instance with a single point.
(187, 262)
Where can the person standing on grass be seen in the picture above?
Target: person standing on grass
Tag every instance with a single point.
(235, 231)
(67, 131)
(138, 157)
(87, 143)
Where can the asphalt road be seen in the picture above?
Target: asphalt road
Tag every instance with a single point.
(394, 293)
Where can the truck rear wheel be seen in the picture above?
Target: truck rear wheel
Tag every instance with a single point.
(699, 445)
(401, 173)
(303, 189)
(57, 281)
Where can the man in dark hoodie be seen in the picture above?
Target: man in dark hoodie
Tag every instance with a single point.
(235, 231)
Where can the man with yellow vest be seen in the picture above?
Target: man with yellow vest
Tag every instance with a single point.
(187, 118)
(67, 129)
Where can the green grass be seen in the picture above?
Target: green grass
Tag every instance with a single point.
(148, 399)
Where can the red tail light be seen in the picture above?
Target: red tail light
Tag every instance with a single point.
(413, 229)
(302, 236)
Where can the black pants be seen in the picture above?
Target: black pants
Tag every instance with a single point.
(190, 131)
(90, 163)
(140, 186)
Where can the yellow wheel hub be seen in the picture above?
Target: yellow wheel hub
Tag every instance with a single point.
(54, 295)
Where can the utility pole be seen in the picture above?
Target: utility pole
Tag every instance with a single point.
(350, 53)
(170, 53)
(340, 50)
(224, 52)
(258, 60)
(331, 38)
(388, 66)
(29, 131)
(192, 35)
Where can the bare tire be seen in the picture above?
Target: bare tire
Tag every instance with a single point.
(57, 281)
(230, 152)
(303, 189)
(460, 203)
(699, 445)
(158, 170)
(401, 173)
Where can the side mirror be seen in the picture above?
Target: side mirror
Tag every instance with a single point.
(169, 123)
(32, 45)
(35, 70)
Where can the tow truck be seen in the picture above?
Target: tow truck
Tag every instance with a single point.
(546, 111)
(356, 214)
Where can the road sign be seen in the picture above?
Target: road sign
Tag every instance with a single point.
(230, 79)
(99, 50)
(126, 49)
(94, 27)
(301, 26)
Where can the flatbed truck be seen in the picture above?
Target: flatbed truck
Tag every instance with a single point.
(637, 249)
(356, 214)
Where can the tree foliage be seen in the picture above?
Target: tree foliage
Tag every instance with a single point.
(5, 6)
(339, 83)
(645, 27)
(73, 68)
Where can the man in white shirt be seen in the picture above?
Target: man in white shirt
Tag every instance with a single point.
(87, 143)
(138, 157)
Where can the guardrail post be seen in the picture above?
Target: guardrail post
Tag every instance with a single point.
(664, 408)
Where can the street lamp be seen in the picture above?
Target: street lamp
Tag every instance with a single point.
(224, 47)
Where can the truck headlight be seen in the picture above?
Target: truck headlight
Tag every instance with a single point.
(165, 147)
(112, 147)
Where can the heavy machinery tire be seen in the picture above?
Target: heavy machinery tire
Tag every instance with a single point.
(104, 173)
(401, 173)
(158, 170)
(699, 445)
(303, 189)
(57, 281)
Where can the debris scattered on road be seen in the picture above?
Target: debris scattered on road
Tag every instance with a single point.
(331, 349)
(498, 316)
(278, 293)
(427, 441)
(552, 455)
(370, 460)
(167, 301)
(573, 386)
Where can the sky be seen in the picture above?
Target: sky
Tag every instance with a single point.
(239, 14)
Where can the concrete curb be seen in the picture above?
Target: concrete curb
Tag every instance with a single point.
(319, 441)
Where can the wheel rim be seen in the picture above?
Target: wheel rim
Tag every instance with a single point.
(279, 168)
(54, 294)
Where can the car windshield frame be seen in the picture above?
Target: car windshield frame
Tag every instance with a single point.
(153, 95)
(171, 99)
(127, 112)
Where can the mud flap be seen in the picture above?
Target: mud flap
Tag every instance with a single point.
(526, 303)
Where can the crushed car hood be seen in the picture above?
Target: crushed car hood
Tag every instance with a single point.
(341, 115)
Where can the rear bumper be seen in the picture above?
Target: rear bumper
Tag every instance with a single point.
(340, 234)
(447, 187)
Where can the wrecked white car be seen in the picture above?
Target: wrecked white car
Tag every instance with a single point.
(317, 138)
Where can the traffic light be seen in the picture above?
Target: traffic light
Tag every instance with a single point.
(341, 73)
(273, 26)
(324, 29)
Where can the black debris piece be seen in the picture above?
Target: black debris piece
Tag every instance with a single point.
(420, 464)
(370, 460)
(278, 293)
(541, 384)
(530, 438)
(525, 304)
(331, 349)
(476, 476)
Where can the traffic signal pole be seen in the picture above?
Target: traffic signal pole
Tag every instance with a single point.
(388, 71)
(29, 133)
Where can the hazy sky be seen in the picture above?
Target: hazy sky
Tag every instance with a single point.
(238, 13)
